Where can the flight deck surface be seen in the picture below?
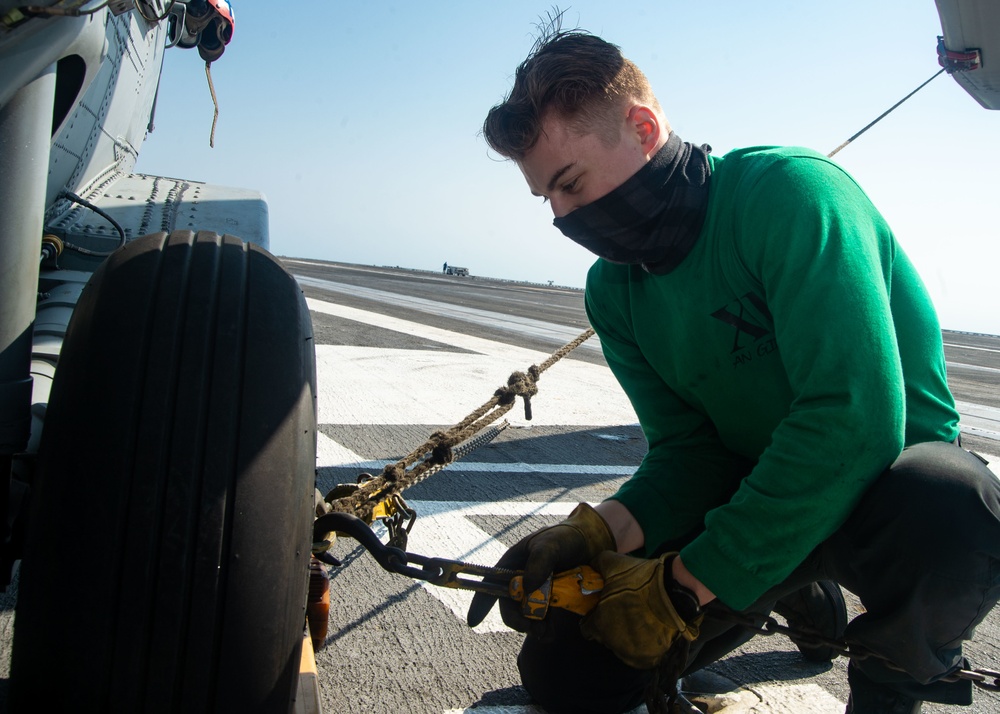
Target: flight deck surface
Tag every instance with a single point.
(403, 353)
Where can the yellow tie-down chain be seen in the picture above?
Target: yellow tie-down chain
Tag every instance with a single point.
(576, 590)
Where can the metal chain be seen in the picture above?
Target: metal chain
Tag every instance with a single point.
(766, 625)
(400, 523)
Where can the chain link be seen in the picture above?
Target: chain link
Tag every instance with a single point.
(400, 523)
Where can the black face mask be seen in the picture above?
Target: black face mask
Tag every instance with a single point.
(654, 218)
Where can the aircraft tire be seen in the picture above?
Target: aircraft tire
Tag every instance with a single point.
(166, 563)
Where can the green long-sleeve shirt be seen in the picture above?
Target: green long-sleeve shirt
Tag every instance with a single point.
(776, 372)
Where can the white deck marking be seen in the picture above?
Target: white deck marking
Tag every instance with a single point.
(973, 367)
(979, 420)
(332, 453)
(505, 321)
(529, 709)
(791, 699)
(970, 347)
(758, 699)
(405, 386)
(507, 468)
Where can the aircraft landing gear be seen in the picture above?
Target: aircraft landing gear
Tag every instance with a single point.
(168, 548)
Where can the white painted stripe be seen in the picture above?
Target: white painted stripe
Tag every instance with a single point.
(463, 509)
(416, 329)
(973, 367)
(985, 433)
(486, 467)
(791, 699)
(759, 699)
(532, 709)
(427, 387)
(332, 453)
(970, 347)
(405, 387)
(521, 325)
(979, 420)
(979, 410)
(529, 709)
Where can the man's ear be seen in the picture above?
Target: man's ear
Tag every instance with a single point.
(643, 121)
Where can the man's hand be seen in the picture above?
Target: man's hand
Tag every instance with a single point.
(642, 611)
(575, 541)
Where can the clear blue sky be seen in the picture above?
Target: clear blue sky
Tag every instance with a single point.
(360, 123)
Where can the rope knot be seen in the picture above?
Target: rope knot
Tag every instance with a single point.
(523, 385)
(441, 452)
(394, 472)
(504, 396)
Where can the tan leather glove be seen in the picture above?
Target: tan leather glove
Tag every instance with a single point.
(638, 616)
(572, 542)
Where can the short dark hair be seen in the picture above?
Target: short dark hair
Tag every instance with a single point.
(580, 77)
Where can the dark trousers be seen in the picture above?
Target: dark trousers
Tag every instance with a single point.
(921, 551)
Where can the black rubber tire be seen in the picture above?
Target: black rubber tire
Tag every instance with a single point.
(167, 556)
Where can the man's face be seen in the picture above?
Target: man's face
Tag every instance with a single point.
(570, 169)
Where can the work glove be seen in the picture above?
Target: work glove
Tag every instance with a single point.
(643, 611)
(568, 544)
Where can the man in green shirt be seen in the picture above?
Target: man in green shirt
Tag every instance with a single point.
(786, 366)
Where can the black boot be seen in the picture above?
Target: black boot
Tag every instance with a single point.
(868, 697)
(820, 608)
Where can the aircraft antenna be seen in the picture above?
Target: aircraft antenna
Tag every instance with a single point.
(884, 114)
